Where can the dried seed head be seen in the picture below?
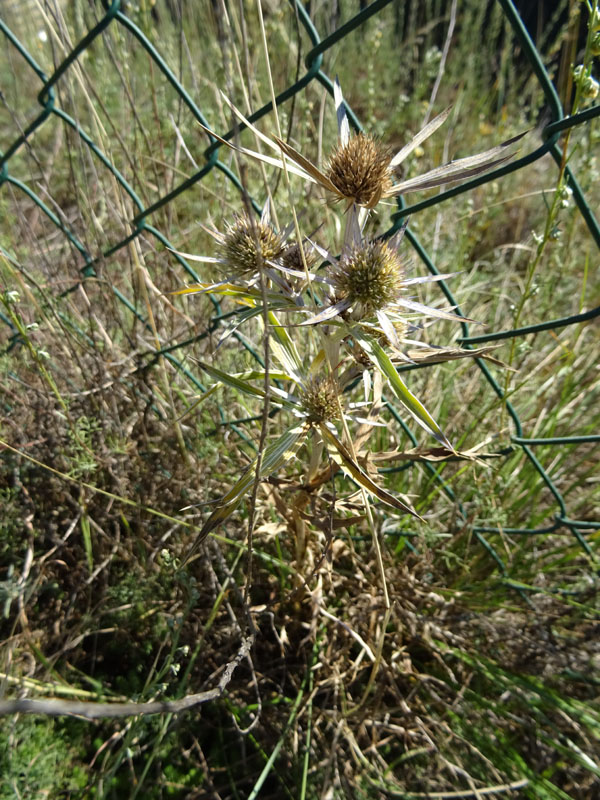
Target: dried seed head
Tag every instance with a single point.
(370, 276)
(360, 170)
(292, 257)
(249, 244)
(589, 88)
(319, 400)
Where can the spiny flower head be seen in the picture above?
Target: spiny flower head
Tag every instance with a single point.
(291, 257)
(249, 244)
(370, 276)
(360, 170)
(319, 399)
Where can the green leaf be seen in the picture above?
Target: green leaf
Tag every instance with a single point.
(233, 381)
(358, 473)
(239, 381)
(244, 316)
(259, 375)
(284, 350)
(383, 362)
(250, 295)
(87, 541)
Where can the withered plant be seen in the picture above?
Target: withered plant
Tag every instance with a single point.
(334, 329)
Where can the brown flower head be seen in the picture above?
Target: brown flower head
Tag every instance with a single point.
(360, 170)
(291, 257)
(368, 283)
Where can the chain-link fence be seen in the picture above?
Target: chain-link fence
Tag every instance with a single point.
(139, 223)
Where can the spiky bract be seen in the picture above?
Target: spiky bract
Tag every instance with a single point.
(360, 170)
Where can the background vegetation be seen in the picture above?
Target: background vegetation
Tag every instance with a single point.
(486, 673)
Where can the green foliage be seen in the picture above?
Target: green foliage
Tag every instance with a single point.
(81, 446)
(37, 759)
(10, 521)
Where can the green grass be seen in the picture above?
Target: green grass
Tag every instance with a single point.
(484, 673)
(37, 759)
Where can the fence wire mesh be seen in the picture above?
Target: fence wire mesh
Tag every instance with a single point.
(138, 211)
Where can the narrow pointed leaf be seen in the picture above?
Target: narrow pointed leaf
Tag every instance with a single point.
(285, 350)
(192, 257)
(325, 254)
(199, 288)
(340, 110)
(396, 239)
(298, 273)
(435, 454)
(242, 293)
(441, 176)
(240, 320)
(436, 355)
(315, 174)
(430, 278)
(353, 231)
(274, 162)
(265, 217)
(265, 139)
(367, 383)
(420, 137)
(358, 473)
(366, 421)
(456, 170)
(233, 381)
(431, 312)
(255, 311)
(383, 362)
(388, 328)
(259, 375)
(204, 396)
(328, 313)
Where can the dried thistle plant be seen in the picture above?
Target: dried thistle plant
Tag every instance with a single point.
(364, 318)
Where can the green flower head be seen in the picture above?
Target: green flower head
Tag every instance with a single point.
(370, 276)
